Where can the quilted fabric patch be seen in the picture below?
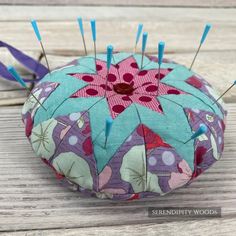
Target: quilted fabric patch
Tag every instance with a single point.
(153, 116)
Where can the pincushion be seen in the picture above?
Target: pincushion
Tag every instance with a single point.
(146, 153)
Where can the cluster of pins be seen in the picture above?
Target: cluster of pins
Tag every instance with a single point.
(161, 45)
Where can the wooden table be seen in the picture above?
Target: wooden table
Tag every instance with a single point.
(31, 200)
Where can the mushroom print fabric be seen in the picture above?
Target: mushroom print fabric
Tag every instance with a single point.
(145, 153)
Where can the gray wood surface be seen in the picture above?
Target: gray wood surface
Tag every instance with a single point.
(215, 227)
(31, 198)
(180, 28)
(179, 3)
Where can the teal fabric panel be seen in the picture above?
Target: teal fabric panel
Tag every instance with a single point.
(72, 105)
(177, 79)
(116, 58)
(68, 86)
(122, 127)
(138, 58)
(172, 126)
(88, 62)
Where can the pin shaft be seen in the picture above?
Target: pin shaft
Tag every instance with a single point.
(223, 94)
(46, 59)
(187, 141)
(106, 84)
(109, 59)
(201, 130)
(85, 49)
(199, 47)
(17, 77)
(142, 60)
(80, 22)
(95, 54)
(159, 78)
(161, 47)
(36, 99)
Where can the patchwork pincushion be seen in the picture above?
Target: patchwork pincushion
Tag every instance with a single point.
(145, 153)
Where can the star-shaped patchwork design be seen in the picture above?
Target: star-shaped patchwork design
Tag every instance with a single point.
(171, 124)
(126, 84)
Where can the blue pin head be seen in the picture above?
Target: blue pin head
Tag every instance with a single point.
(81, 28)
(93, 27)
(36, 29)
(161, 47)
(205, 33)
(140, 28)
(201, 130)
(144, 42)
(109, 55)
(16, 76)
(235, 82)
(109, 122)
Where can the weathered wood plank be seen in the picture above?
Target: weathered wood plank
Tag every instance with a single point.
(216, 227)
(216, 61)
(64, 36)
(32, 198)
(180, 28)
(70, 13)
(180, 3)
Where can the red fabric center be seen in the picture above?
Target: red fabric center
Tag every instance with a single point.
(123, 88)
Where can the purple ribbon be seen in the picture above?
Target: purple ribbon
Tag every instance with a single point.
(28, 62)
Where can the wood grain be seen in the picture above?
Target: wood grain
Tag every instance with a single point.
(180, 3)
(31, 198)
(218, 227)
(180, 28)
(32, 202)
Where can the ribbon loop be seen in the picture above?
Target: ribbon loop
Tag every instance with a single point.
(27, 61)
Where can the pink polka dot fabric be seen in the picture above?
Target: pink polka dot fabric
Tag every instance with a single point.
(143, 82)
